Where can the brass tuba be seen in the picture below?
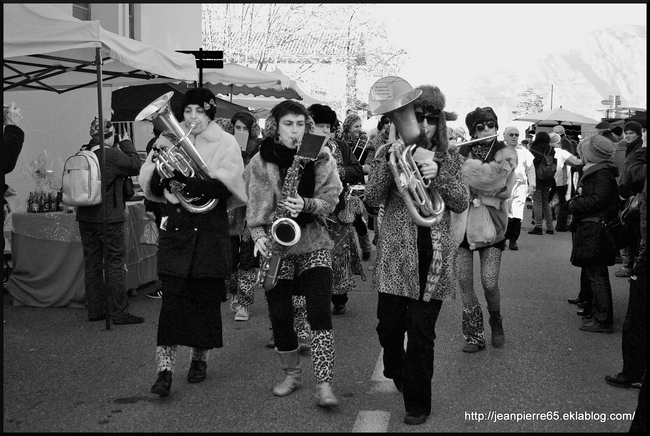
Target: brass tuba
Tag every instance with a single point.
(182, 157)
(423, 203)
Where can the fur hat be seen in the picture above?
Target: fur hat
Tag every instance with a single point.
(201, 97)
(603, 125)
(555, 139)
(633, 126)
(597, 149)
(559, 129)
(94, 128)
(478, 116)
(321, 113)
(433, 100)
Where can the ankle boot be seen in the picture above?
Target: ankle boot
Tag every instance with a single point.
(496, 324)
(290, 363)
(324, 395)
(163, 384)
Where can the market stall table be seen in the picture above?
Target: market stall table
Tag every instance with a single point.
(48, 258)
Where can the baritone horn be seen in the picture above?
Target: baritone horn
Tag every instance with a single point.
(423, 203)
(182, 157)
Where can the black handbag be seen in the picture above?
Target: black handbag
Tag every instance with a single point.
(128, 189)
(593, 243)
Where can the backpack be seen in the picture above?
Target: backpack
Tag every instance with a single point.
(546, 169)
(82, 181)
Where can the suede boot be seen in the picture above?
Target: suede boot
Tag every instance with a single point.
(290, 364)
(496, 324)
(324, 395)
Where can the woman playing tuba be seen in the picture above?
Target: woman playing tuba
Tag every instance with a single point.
(414, 267)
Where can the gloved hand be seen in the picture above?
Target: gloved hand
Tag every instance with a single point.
(176, 183)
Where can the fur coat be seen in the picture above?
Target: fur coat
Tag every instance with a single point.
(221, 154)
(264, 187)
(490, 184)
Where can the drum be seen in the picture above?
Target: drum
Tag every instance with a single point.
(357, 190)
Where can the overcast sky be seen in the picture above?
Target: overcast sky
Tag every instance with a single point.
(457, 39)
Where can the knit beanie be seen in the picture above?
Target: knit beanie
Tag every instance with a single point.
(633, 126)
(94, 128)
(201, 97)
(559, 130)
(597, 149)
(350, 120)
(478, 116)
(555, 139)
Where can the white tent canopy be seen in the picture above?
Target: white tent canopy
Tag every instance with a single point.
(44, 48)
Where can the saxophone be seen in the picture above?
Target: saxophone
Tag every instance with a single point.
(285, 232)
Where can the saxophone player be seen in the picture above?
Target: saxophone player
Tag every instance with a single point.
(194, 248)
(414, 270)
(306, 267)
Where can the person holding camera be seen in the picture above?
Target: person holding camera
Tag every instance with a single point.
(119, 162)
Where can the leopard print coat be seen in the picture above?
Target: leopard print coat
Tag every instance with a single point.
(396, 268)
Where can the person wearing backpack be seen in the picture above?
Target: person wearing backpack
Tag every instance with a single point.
(121, 160)
(544, 179)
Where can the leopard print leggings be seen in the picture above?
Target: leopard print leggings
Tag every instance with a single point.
(490, 261)
(322, 355)
(166, 356)
(246, 286)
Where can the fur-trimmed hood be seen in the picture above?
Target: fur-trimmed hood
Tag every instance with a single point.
(221, 154)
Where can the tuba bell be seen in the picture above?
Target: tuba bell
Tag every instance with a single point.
(424, 204)
(182, 157)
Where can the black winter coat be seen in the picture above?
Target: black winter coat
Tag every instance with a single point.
(195, 245)
(120, 162)
(598, 200)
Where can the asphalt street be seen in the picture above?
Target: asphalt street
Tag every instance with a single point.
(63, 373)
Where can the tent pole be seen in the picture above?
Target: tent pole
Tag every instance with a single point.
(231, 92)
(102, 167)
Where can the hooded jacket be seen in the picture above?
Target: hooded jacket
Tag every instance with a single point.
(598, 200)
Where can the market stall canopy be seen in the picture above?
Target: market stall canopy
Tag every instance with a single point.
(127, 102)
(236, 79)
(46, 49)
(558, 116)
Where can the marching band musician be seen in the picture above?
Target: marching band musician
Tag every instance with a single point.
(194, 248)
(414, 270)
(307, 267)
(346, 262)
(489, 172)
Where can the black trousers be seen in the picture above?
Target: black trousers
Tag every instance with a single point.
(316, 285)
(634, 334)
(399, 315)
(514, 229)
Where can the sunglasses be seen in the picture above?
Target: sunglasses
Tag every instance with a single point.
(489, 125)
(513, 135)
(431, 119)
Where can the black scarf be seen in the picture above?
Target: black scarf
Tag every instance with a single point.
(283, 157)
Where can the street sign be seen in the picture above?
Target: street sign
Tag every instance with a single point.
(607, 102)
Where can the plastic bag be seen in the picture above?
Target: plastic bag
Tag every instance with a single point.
(150, 231)
(43, 198)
